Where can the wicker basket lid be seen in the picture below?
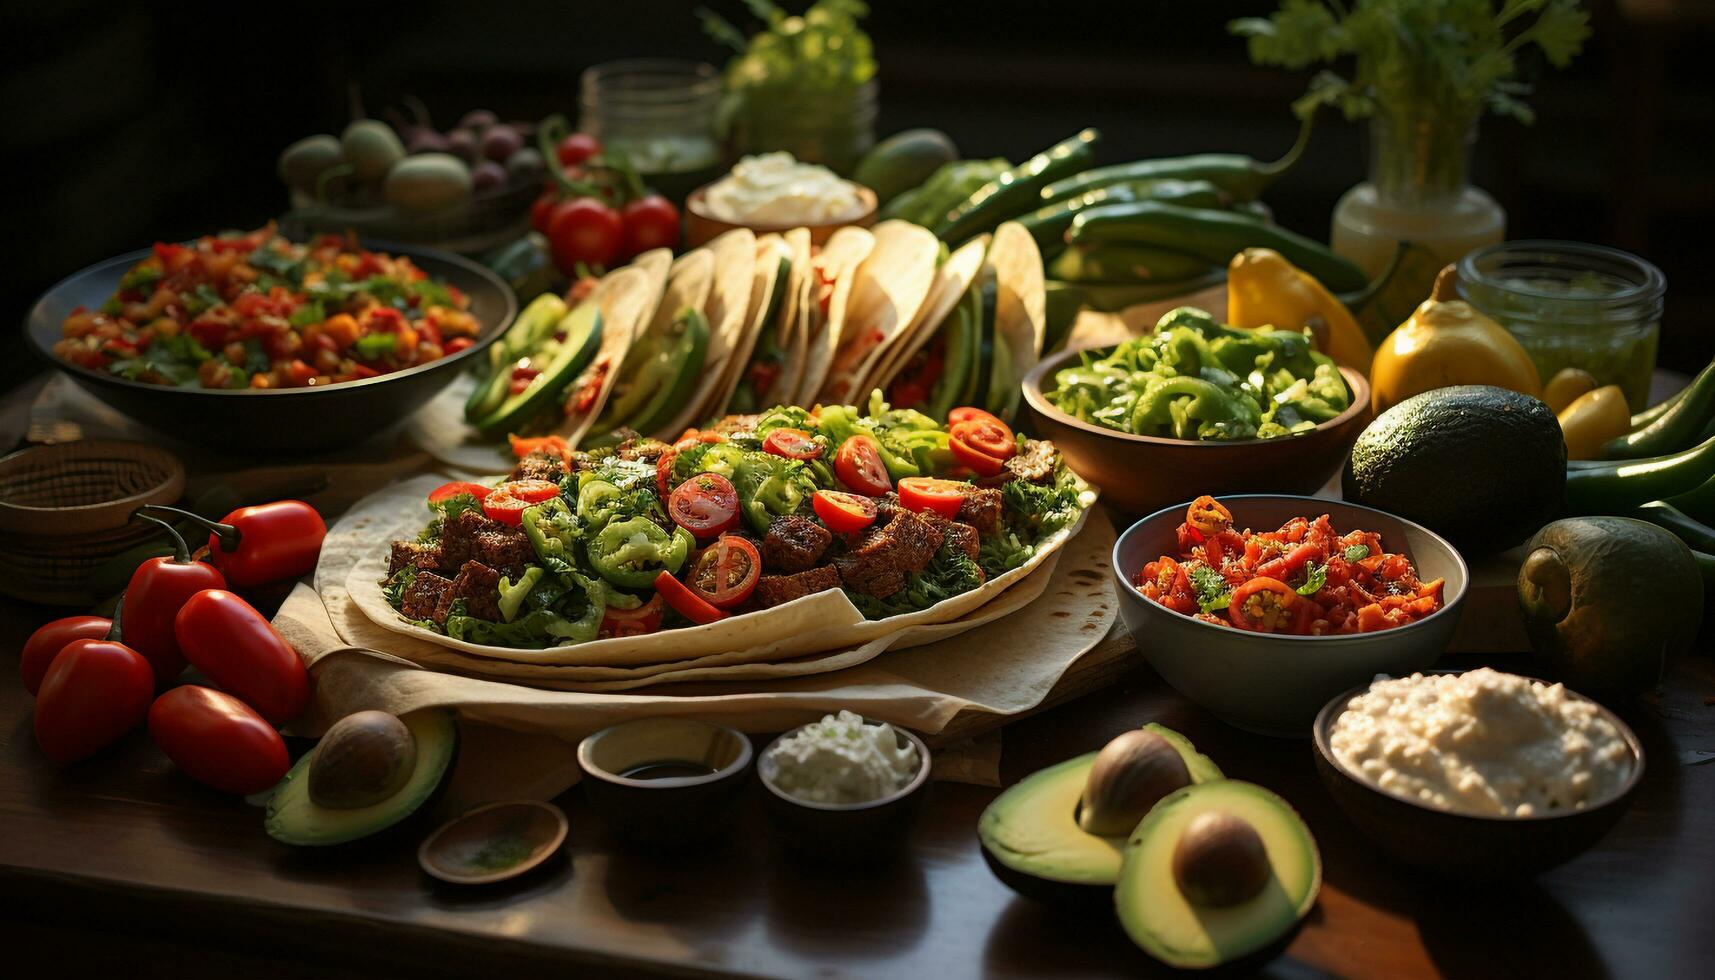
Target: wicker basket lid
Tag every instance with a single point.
(83, 487)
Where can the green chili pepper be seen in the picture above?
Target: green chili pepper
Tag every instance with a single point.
(599, 502)
(1192, 408)
(1241, 176)
(1215, 236)
(1617, 486)
(552, 530)
(1048, 223)
(632, 552)
(1696, 534)
(1017, 190)
(1675, 428)
(1126, 263)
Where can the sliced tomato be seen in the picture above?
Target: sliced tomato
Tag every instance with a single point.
(522, 447)
(977, 461)
(705, 505)
(534, 491)
(969, 414)
(447, 491)
(1263, 605)
(664, 471)
(508, 502)
(858, 465)
(844, 513)
(990, 436)
(792, 444)
(684, 601)
(1208, 516)
(927, 494)
(726, 572)
(633, 622)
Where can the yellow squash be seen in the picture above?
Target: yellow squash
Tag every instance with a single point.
(1448, 342)
(1263, 289)
(1592, 419)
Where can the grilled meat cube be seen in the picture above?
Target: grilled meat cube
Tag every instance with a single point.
(772, 590)
(641, 449)
(422, 598)
(981, 509)
(458, 536)
(886, 508)
(413, 554)
(1035, 464)
(505, 549)
(794, 543)
(962, 536)
(878, 558)
(540, 465)
(479, 587)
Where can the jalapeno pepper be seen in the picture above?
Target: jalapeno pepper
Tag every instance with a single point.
(261, 544)
(1016, 191)
(1263, 605)
(632, 552)
(1615, 486)
(1679, 426)
(158, 589)
(1241, 176)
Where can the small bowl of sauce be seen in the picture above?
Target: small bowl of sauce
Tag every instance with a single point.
(664, 781)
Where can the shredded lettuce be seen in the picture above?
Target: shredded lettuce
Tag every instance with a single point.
(950, 573)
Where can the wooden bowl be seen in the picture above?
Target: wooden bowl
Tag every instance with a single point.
(494, 843)
(701, 227)
(1142, 474)
(66, 509)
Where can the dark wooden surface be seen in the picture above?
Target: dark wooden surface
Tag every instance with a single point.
(121, 864)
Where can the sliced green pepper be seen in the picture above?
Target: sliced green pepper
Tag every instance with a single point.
(632, 552)
(599, 502)
(512, 593)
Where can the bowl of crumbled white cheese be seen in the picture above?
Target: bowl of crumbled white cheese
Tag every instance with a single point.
(1477, 773)
(844, 787)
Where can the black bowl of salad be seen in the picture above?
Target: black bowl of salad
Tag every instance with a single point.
(249, 344)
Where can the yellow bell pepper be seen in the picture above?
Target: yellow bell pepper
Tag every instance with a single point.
(1592, 419)
(1263, 289)
(1448, 342)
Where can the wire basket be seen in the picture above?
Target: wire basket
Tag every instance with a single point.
(66, 509)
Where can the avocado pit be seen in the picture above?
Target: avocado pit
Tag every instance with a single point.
(1220, 861)
(1131, 774)
(365, 758)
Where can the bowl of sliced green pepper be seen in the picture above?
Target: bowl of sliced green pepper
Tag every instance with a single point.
(1239, 410)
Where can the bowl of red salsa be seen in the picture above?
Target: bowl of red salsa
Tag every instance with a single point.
(1261, 607)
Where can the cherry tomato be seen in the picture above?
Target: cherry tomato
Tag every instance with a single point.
(633, 622)
(844, 513)
(508, 502)
(664, 472)
(218, 740)
(858, 465)
(448, 491)
(989, 436)
(1262, 605)
(967, 414)
(1208, 516)
(575, 148)
(651, 221)
(584, 231)
(926, 493)
(46, 642)
(978, 462)
(726, 572)
(266, 542)
(94, 692)
(705, 505)
(792, 444)
(684, 601)
(235, 647)
(542, 209)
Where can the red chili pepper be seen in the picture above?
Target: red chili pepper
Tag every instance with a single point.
(157, 591)
(265, 543)
(242, 653)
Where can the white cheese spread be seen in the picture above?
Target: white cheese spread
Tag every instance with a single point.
(775, 189)
(841, 760)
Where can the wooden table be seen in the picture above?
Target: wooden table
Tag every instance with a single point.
(122, 864)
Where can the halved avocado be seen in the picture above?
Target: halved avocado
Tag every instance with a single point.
(687, 347)
(527, 332)
(559, 359)
(294, 818)
(1032, 841)
(1256, 894)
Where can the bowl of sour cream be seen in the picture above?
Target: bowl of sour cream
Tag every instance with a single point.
(844, 788)
(1479, 773)
(773, 192)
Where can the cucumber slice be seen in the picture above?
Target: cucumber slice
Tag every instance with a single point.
(526, 334)
(958, 361)
(566, 352)
(690, 346)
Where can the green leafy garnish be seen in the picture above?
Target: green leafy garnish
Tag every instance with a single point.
(285, 268)
(1315, 576)
(823, 51)
(312, 312)
(372, 346)
(1213, 592)
(1357, 552)
(139, 278)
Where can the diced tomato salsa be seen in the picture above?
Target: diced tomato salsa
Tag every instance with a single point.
(258, 311)
(1305, 578)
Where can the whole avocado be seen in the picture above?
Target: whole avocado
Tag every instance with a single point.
(1607, 601)
(1481, 465)
(903, 161)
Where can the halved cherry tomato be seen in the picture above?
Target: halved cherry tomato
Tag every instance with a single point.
(684, 601)
(858, 465)
(978, 462)
(726, 572)
(1209, 516)
(633, 622)
(844, 513)
(1263, 605)
(508, 502)
(926, 493)
(792, 444)
(968, 414)
(982, 444)
(448, 491)
(705, 505)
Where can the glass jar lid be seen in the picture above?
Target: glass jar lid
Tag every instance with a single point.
(1562, 281)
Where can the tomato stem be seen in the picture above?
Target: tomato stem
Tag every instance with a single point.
(229, 536)
(181, 551)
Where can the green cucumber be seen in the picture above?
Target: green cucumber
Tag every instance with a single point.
(527, 333)
(570, 348)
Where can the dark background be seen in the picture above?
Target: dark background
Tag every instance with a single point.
(131, 122)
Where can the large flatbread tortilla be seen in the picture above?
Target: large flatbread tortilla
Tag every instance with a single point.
(812, 624)
(888, 291)
(836, 263)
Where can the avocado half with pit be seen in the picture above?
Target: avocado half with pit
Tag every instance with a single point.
(1034, 836)
(1216, 873)
(369, 772)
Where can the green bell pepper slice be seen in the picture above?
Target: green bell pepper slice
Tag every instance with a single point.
(512, 594)
(552, 530)
(632, 552)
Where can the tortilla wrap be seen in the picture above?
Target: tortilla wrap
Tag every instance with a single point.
(811, 624)
(794, 340)
(952, 280)
(844, 251)
(734, 271)
(770, 249)
(888, 291)
(1020, 317)
(627, 298)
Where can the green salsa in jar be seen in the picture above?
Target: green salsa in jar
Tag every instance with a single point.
(1573, 305)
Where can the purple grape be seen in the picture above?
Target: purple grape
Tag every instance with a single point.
(462, 143)
(487, 176)
(500, 142)
(478, 119)
(525, 166)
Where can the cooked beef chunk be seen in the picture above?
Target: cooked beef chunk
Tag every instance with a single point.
(505, 549)
(642, 450)
(412, 554)
(458, 534)
(479, 587)
(877, 559)
(772, 590)
(981, 509)
(1035, 464)
(422, 598)
(794, 543)
(963, 537)
(886, 508)
(540, 465)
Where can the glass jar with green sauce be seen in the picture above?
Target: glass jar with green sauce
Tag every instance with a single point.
(660, 113)
(1573, 305)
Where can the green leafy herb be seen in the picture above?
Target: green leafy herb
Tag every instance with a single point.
(171, 359)
(140, 278)
(282, 266)
(1213, 591)
(430, 293)
(823, 51)
(202, 300)
(311, 312)
(372, 346)
(1357, 552)
(1315, 576)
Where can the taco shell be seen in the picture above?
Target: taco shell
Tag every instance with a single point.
(836, 264)
(794, 344)
(888, 291)
(1020, 318)
(952, 280)
(627, 299)
(767, 304)
(734, 270)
